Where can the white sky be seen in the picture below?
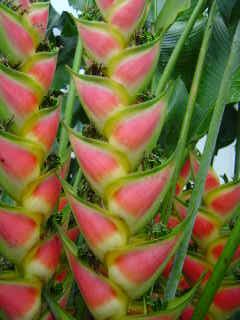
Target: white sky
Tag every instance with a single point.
(224, 162)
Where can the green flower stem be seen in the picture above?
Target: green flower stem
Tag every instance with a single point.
(70, 100)
(237, 149)
(182, 142)
(59, 313)
(177, 50)
(67, 211)
(218, 273)
(203, 169)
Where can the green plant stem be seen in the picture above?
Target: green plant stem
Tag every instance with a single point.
(237, 149)
(67, 211)
(177, 50)
(203, 169)
(218, 273)
(182, 142)
(70, 100)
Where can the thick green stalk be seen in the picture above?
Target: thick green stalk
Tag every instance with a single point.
(218, 273)
(203, 169)
(177, 50)
(70, 100)
(59, 313)
(237, 149)
(182, 142)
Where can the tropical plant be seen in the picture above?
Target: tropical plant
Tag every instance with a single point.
(147, 231)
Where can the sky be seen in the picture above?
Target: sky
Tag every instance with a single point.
(224, 161)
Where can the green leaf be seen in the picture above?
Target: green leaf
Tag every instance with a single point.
(174, 117)
(80, 5)
(226, 7)
(228, 129)
(235, 88)
(187, 60)
(169, 12)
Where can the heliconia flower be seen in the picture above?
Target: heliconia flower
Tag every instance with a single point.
(105, 5)
(63, 202)
(20, 162)
(224, 200)
(42, 194)
(100, 97)
(24, 4)
(73, 233)
(136, 129)
(20, 96)
(106, 300)
(184, 176)
(19, 231)
(65, 167)
(41, 262)
(172, 221)
(18, 39)
(100, 40)
(136, 267)
(102, 232)
(100, 162)
(226, 301)
(41, 66)
(216, 248)
(136, 198)
(127, 15)
(188, 313)
(207, 226)
(194, 266)
(134, 67)
(212, 181)
(172, 312)
(42, 127)
(20, 299)
(38, 17)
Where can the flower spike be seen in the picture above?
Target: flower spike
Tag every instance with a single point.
(102, 232)
(105, 5)
(41, 262)
(127, 15)
(136, 198)
(100, 97)
(38, 18)
(20, 96)
(42, 127)
(106, 300)
(226, 301)
(212, 181)
(18, 39)
(100, 40)
(224, 200)
(42, 194)
(207, 226)
(194, 266)
(20, 299)
(136, 267)
(134, 67)
(136, 129)
(20, 162)
(19, 232)
(41, 66)
(100, 162)
(215, 250)
(24, 4)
